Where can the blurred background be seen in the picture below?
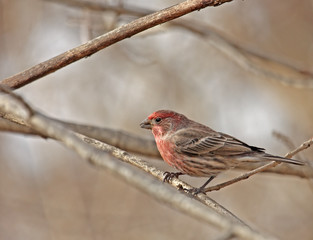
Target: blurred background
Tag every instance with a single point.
(48, 192)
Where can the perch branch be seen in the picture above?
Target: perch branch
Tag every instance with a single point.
(133, 143)
(120, 154)
(145, 183)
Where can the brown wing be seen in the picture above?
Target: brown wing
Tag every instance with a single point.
(206, 142)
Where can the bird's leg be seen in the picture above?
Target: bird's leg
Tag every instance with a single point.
(168, 176)
(195, 191)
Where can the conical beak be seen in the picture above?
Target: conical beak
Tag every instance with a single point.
(146, 124)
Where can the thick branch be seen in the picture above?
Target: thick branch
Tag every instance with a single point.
(9, 126)
(143, 182)
(146, 183)
(103, 41)
(133, 143)
(122, 155)
(117, 138)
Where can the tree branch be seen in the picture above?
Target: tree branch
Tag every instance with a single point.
(118, 138)
(145, 183)
(251, 61)
(103, 41)
(120, 154)
(272, 164)
(133, 143)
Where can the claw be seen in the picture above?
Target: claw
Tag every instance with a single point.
(195, 191)
(168, 176)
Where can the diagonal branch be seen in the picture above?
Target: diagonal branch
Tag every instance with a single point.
(249, 60)
(103, 41)
(9, 106)
(131, 142)
(146, 183)
(272, 164)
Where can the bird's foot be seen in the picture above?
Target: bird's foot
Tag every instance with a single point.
(195, 191)
(168, 176)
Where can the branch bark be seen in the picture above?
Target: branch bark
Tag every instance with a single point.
(146, 183)
(272, 164)
(249, 60)
(103, 41)
(133, 143)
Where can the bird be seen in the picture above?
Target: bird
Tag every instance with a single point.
(197, 150)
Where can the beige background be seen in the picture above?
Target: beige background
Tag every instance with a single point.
(48, 192)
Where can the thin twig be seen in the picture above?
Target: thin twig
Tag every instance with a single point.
(241, 177)
(284, 139)
(289, 144)
(272, 164)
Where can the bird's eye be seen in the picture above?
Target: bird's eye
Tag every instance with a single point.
(158, 119)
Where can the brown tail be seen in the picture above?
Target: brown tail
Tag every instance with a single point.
(261, 156)
(282, 159)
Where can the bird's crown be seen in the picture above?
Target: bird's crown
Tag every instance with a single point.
(163, 114)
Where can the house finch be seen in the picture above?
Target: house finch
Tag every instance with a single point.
(197, 150)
